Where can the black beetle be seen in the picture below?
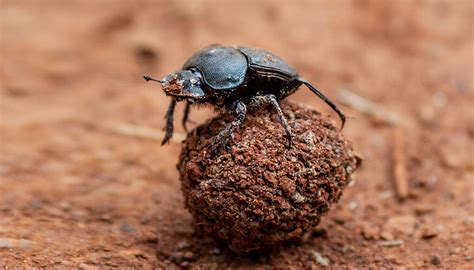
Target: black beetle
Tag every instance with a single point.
(232, 79)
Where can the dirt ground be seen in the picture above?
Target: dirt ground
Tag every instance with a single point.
(77, 190)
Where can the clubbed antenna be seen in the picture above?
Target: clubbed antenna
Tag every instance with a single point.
(148, 78)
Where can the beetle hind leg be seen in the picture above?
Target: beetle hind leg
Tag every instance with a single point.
(272, 99)
(325, 99)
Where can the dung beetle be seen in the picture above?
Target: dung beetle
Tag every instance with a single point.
(232, 79)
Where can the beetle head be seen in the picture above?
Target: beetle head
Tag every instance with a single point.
(184, 84)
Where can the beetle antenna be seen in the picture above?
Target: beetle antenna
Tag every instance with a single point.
(148, 78)
(325, 99)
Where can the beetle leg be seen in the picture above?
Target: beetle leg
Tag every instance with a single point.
(185, 116)
(221, 140)
(325, 99)
(272, 99)
(169, 122)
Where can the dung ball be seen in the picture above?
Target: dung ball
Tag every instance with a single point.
(258, 193)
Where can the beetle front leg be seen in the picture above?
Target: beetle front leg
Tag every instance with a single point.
(169, 122)
(186, 115)
(221, 140)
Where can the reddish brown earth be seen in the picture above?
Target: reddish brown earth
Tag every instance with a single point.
(78, 191)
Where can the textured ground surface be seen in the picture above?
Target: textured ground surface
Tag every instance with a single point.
(76, 191)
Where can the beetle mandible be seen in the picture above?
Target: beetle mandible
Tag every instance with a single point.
(234, 78)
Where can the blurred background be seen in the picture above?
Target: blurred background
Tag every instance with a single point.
(85, 183)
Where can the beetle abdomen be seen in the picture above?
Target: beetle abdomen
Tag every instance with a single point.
(221, 67)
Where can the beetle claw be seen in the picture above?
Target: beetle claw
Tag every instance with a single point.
(166, 139)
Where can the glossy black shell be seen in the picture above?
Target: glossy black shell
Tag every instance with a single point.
(221, 67)
(225, 67)
(267, 63)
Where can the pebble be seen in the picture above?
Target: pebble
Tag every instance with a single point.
(352, 205)
(428, 232)
(127, 228)
(176, 257)
(183, 244)
(188, 255)
(323, 233)
(133, 252)
(455, 250)
(320, 259)
(215, 251)
(404, 224)
(468, 220)
(394, 259)
(343, 216)
(387, 236)
(435, 260)
(370, 231)
(423, 209)
(339, 221)
(180, 256)
(65, 206)
(454, 154)
(298, 198)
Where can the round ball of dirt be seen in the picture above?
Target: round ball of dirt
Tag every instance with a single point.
(259, 193)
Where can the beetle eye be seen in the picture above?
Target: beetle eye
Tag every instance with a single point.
(198, 83)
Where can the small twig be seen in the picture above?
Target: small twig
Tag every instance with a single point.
(10, 243)
(370, 108)
(146, 133)
(399, 164)
(390, 243)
